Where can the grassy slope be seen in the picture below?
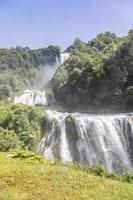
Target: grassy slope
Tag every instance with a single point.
(21, 180)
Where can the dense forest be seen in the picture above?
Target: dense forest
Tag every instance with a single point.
(98, 76)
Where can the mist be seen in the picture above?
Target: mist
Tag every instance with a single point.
(45, 74)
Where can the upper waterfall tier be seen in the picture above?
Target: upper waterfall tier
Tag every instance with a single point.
(89, 139)
(63, 57)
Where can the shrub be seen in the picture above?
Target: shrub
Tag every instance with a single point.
(8, 140)
(25, 122)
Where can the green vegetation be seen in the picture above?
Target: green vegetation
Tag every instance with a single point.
(95, 53)
(32, 179)
(20, 126)
(21, 68)
(8, 140)
(101, 171)
(96, 73)
(87, 59)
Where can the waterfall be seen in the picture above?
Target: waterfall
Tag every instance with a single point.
(83, 138)
(107, 140)
(97, 139)
(34, 97)
(63, 57)
(54, 145)
(31, 98)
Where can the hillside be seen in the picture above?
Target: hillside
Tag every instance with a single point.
(31, 180)
(98, 76)
(22, 68)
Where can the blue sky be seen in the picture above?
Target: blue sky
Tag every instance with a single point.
(39, 23)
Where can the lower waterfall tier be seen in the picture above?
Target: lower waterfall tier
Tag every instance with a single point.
(89, 140)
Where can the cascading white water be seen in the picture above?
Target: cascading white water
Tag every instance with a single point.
(32, 97)
(106, 139)
(57, 140)
(63, 57)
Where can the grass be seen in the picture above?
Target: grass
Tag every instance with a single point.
(21, 179)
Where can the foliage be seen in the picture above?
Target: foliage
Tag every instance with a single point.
(97, 72)
(27, 155)
(24, 123)
(8, 140)
(4, 110)
(75, 74)
(91, 55)
(103, 172)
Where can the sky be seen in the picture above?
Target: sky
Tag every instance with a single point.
(40, 23)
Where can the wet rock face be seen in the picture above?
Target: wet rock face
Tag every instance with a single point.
(72, 137)
(50, 137)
